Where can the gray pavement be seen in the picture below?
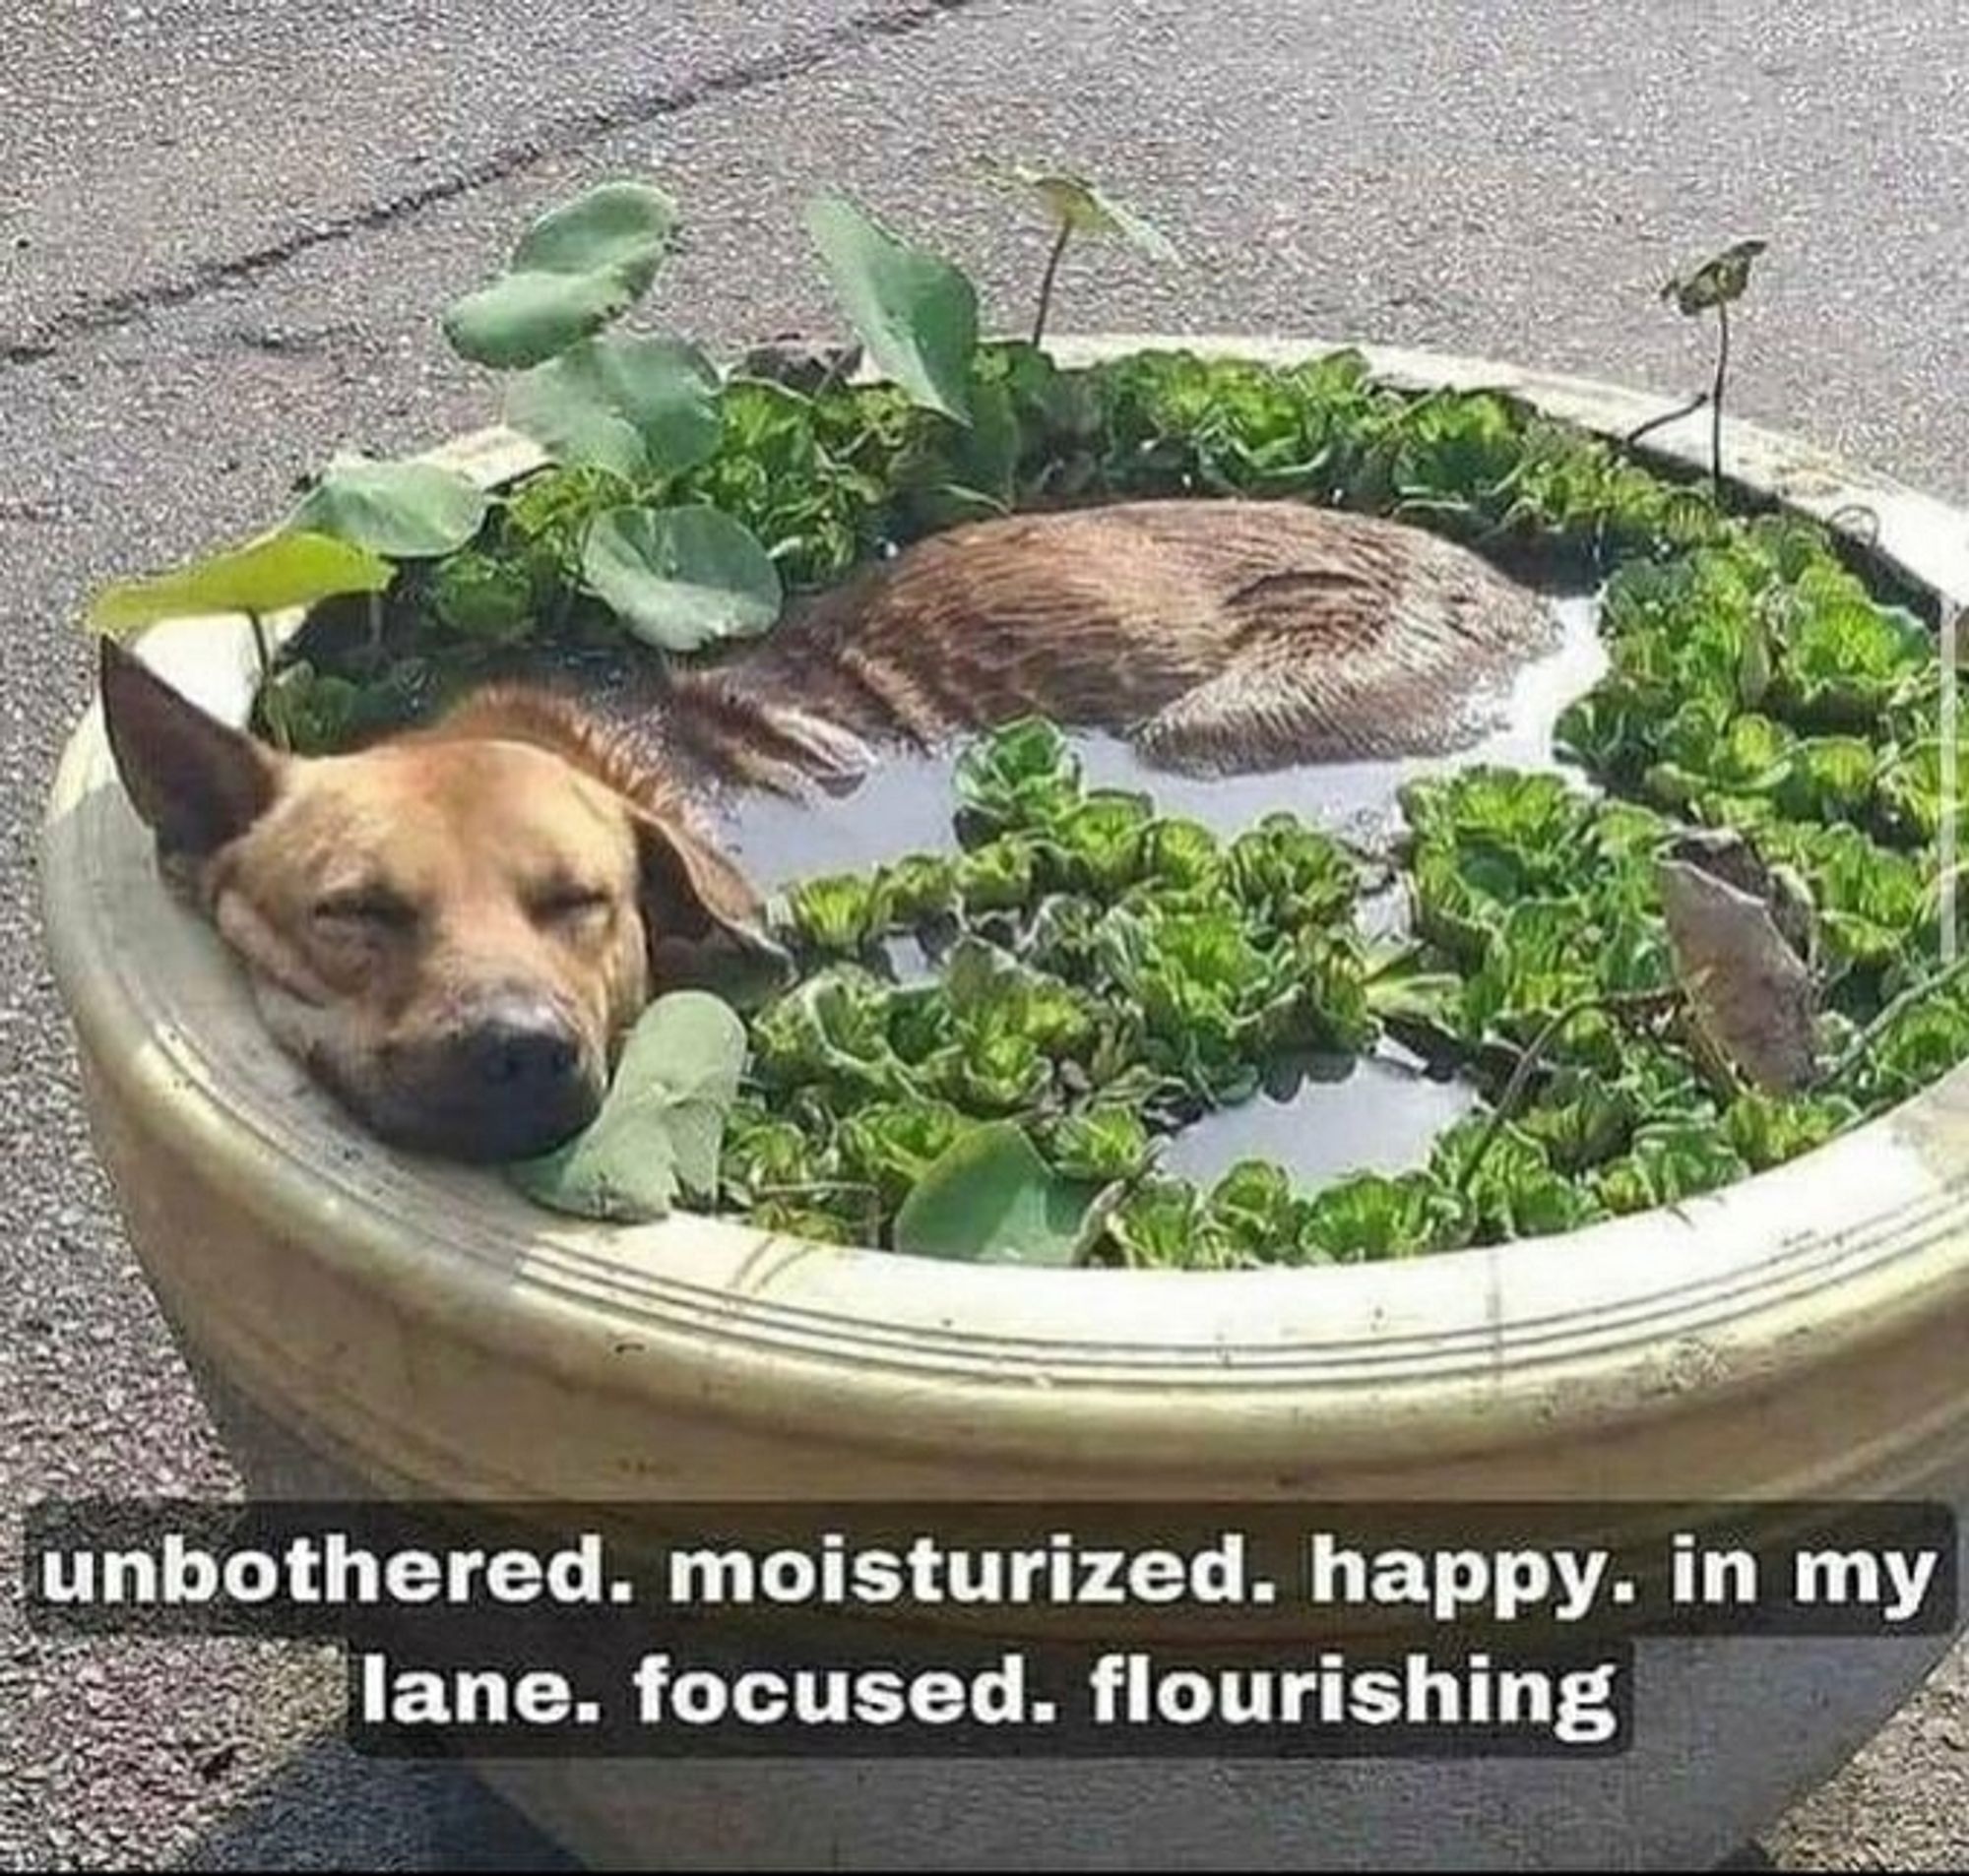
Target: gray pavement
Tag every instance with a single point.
(225, 226)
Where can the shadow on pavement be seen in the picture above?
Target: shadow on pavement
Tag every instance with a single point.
(329, 1809)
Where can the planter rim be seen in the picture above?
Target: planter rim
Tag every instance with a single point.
(1478, 1346)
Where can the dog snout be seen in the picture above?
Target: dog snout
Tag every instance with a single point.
(511, 1080)
(522, 1054)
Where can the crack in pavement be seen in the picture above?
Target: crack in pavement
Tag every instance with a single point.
(108, 311)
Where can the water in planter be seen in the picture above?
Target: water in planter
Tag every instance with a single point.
(1325, 1118)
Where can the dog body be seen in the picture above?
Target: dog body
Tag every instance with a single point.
(453, 928)
(1219, 636)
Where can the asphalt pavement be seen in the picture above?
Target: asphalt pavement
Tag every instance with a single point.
(226, 227)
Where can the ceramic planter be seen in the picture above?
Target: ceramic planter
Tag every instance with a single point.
(364, 1322)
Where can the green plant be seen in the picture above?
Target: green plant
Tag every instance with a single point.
(1075, 206)
(1105, 975)
(659, 1130)
(270, 574)
(990, 1198)
(578, 268)
(918, 315)
(1711, 285)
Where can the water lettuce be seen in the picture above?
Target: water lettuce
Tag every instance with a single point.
(1102, 973)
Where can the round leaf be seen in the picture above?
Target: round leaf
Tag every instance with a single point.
(660, 1128)
(917, 315)
(575, 269)
(1083, 208)
(682, 577)
(990, 1198)
(267, 574)
(407, 511)
(639, 406)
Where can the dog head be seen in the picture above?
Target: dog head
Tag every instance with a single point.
(452, 928)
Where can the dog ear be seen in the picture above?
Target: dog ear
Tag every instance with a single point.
(195, 781)
(706, 923)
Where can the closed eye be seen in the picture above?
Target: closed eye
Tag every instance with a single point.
(367, 908)
(558, 902)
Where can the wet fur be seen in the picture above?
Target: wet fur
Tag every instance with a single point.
(1216, 635)
(526, 871)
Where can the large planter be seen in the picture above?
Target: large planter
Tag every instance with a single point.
(364, 1322)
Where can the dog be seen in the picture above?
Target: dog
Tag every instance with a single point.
(454, 927)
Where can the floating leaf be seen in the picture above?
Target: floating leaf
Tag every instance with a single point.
(404, 511)
(1023, 777)
(1766, 1132)
(991, 1199)
(837, 913)
(1401, 985)
(995, 877)
(917, 315)
(1253, 1210)
(1668, 1162)
(639, 406)
(682, 577)
(891, 1145)
(576, 269)
(1751, 993)
(1369, 1216)
(478, 595)
(308, 712)
(1714, 281)
(918, 888)
(1082, 207)
(660, 1128)
(267, 574)
(1101, 1143)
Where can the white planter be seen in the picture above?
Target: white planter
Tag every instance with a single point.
(374, 1324)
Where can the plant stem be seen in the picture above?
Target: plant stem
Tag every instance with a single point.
(1059, 242)
(262, 654)
(1857, 1049)
(806, 1188)
(843, 361)
(1526, 1063)
(1675, 416)
(1716, 399)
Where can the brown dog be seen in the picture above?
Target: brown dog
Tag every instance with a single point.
(455, 927)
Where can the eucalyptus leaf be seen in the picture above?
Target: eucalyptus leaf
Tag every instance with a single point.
(682, 577)
(404, 511)
(639, 406)
(576, 269)
(917, 314)
(990, 1198)
(267, 575)
(660, 1128)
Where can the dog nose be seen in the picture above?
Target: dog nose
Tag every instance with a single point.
(515, 1082)
(509, 1078)
(521, 1055)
